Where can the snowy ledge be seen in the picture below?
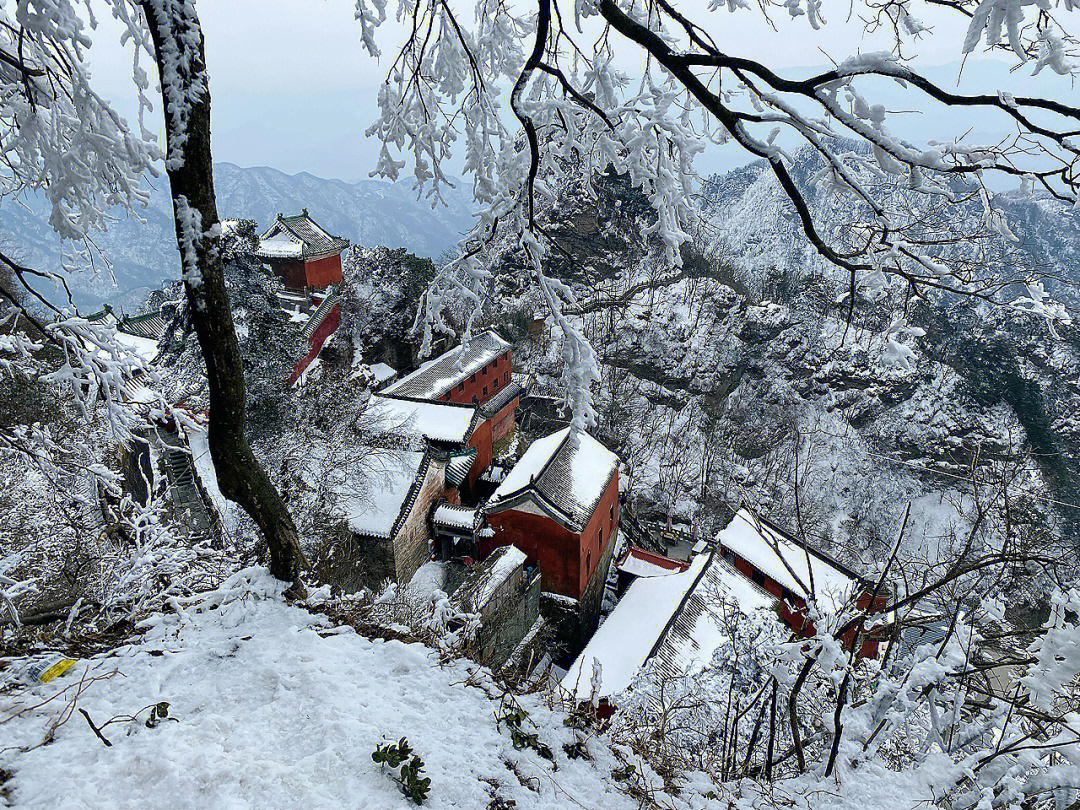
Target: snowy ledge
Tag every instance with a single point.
(276, 707)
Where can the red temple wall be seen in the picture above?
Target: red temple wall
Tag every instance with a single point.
(500, 369)
(566, 560)
(316, 341)
(323, 272)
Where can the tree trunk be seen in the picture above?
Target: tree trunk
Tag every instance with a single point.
(178, 45)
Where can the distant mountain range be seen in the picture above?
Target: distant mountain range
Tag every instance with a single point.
(754, 226)
(142, 254)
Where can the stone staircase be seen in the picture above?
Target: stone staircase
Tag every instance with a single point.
(184, 491)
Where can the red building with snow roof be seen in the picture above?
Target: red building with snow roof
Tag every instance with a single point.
(480, 374)
(793, 572)
(560, 505)
(303, 254)
(467, 375)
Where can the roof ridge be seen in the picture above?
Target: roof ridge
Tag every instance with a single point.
(554, 454)
(607, 481)
(412, 494)
(144, 317)
(682, 604)
(537, 476)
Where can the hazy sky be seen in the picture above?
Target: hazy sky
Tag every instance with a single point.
(293, 89)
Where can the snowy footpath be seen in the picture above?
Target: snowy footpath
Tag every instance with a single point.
(272, 707)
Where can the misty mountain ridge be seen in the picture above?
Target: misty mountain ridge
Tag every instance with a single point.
(141, 250)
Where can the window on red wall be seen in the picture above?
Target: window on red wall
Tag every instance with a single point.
(588, 563)
(485, 370)
(600, 537)
(611, 515)
(506, 377)
(496, 383)
(485, 390)
(461, 386)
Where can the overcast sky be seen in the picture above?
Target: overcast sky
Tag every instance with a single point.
(293, 89)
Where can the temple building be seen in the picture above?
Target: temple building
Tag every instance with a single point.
(469, 375)
(302, 254)
(560, 505)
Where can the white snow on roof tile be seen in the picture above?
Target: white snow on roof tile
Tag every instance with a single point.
(376, 511)
(623, 642)
(488, 576)
(769, 550)
(459, 517)
(679, 611)
(144, 348)
(641, 567)
(697, 632)
(436, 377)
(281, 246)
(569, 469)
(382, 372)
(530, 464)
(437, 421)
(504, 565)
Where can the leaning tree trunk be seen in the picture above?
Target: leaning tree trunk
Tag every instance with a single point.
(178, 44)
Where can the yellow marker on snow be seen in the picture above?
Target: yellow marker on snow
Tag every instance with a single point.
(54, 670)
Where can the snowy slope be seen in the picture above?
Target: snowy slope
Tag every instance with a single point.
(274, 708)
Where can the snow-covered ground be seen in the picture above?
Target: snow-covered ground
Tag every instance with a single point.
(270, 706)
(273, 706)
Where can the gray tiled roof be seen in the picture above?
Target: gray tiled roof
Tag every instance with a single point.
(501, 399)
(555, 486)
(678, 643)
(151, 325)
(436, 377)
(315, 240)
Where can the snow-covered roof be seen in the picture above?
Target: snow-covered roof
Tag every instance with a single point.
(281, 246)
(493, 474)
(506, 395)
(458, 467)
(566, 472)
(376, 512)
(641, 563)
(486, 577)
(453, 516)
(144, 348)
(436, 377)
(298, 237)
(148, 325)
(673, 617)
(698, 629)
(622, 644)
(438, 421)
(382, 372)
(320, 314)
(786, 561)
